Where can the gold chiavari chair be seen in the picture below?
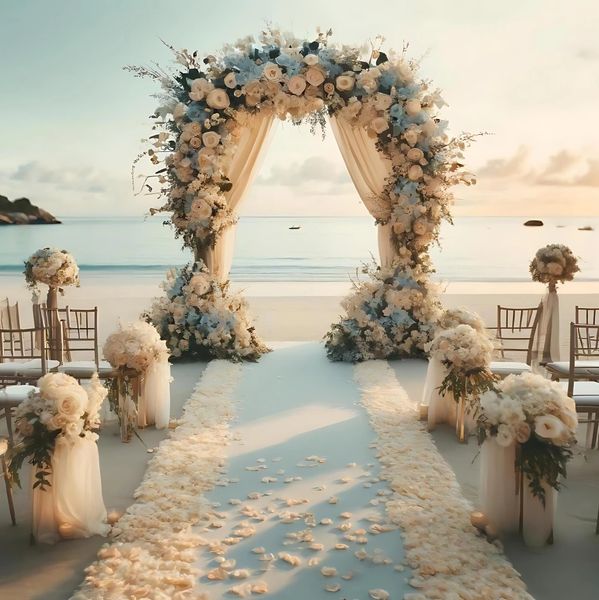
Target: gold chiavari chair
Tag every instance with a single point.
(584, 347)
(11, 505)
(516, 332)
(587, 315)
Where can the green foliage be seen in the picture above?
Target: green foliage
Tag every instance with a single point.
(468, 385)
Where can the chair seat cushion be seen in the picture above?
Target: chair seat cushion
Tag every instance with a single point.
(508, 368)
(85, 367)
(585, 392)
(563, 367)
(15, 393)
(28, 367)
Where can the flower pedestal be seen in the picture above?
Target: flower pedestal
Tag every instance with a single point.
(72, 506)
(536, 518)
(548, 337)
(55, 337)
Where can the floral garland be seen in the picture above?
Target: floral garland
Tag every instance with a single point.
(53, 267)
(554, 263)
(153, 552)
(466, 353)
(208, 103)
(449, 559)
(538, 415)
(60, 409)
(391, 315)
(200, 318)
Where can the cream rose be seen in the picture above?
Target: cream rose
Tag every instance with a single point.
(311, 59)
(420, 226)
(413, 107)
(218, 99)
(73, 403)
(345, 83)
(230, 80)
(272, 72)
(411, 136)
(382, 101)
(200, 210)
(329, 88)
(314, 76)
(211, 139)
(297, 85)
(415, 154)
(549, 427)
(415, 173)
(379, 124)
(199, 88)
(504, 436)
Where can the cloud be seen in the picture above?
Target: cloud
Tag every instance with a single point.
(314, 169)
(80, 179)
(587, 53)
(564, 168)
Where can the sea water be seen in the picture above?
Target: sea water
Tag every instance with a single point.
(322, 249)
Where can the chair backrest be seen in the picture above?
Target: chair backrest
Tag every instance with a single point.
(584, 345)
(23, 344)
(587, 315)
(9, 314)
(516, 329)
(51, 320)
(81, 332)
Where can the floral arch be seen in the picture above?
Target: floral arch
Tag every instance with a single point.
(216, 113)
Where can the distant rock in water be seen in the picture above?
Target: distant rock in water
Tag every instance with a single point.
(586, 228)
(22, 212)
(534, 223)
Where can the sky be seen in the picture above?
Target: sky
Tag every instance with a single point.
(524, 71)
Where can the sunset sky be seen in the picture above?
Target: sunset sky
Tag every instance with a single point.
(526, 72)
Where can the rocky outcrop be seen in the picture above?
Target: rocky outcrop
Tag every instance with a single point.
(22, 212)
(534, 223)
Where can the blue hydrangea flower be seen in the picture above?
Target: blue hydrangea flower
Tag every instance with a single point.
(196, 111)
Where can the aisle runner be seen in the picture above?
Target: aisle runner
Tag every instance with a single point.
(301, 509)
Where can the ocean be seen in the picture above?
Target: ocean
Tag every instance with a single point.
(322, 249)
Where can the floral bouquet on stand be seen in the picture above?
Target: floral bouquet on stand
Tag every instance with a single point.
(452, 317)
(553, 264)
(200, 318)
(536, 418)
(141, 391)
(466, 355)
(390, 315)
(55, 428)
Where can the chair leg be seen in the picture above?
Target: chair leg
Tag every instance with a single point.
(597, 524)
(595, 428)
(11, 505)
(8, 417)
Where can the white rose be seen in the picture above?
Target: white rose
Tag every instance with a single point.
(523, 433)
(311, 59)
(199, 88)
(420, 226)
(345, 83)
(314, 76)
(230, 80)
(415, 173)
(180, 111)
(297, 85)
(382, 101)
(272, 72)
(200, 210)
(218, 99)
(413, 107)
(379, 124)
(554, 268)
(73, 403)
(411, 136)
(504, 437)
(549, 427)
(415, 154)
(211, 139)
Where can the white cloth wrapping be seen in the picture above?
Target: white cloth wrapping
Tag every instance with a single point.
(368, 169)
(497, 491)
(441, 409)
(245, 161)
(73, 506)
(537, 522)
(548, 333)
(500, 503)
(155, 400)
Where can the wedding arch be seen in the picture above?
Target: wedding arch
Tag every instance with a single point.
(216, 113)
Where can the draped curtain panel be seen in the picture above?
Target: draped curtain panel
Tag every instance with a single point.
(368, 169)
(253, 141)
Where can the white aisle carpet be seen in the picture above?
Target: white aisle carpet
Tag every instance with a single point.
(301, 476)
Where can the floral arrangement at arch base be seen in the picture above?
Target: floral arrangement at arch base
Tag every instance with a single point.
(390, 315)
(538, 416)
(210, 101)
(199, 318)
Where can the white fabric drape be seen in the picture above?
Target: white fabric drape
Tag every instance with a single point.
(497, 492)
(368, 169)
(250, 149)
(441, 409)
(500, 502)
(73, 506)
(155, 401)
(548, 333)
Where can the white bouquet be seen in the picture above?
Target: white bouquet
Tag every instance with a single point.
(61, 408)
(452, 317)
(135, 346)
(53, 267)
(538, 415)
(554, 263)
